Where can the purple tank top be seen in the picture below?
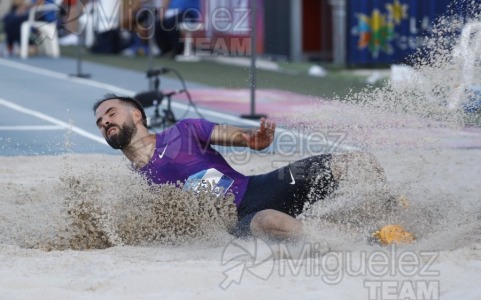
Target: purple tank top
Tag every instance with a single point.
(183, 153)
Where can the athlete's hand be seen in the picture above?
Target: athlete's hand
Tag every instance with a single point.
(262, 137)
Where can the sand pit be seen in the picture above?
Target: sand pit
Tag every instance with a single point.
(37, 256)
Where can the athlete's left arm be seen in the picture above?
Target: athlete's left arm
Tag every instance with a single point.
(257, 139)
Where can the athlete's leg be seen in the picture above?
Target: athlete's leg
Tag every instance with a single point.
(273, 200)
(275, 224)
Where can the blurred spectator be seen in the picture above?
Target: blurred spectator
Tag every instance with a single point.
(167, 34)
(166, 26)
(18, 14)
(109, 36)
(139, 19)
(69, 30)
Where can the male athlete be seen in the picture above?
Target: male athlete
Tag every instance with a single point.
(266, 204)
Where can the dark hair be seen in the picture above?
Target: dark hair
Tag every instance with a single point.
(128, 100)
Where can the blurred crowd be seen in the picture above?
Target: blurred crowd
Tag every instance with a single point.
(127, 27)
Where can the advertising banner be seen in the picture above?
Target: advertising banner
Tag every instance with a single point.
(387, 31)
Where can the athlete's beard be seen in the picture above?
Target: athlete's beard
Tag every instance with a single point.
(123, 137)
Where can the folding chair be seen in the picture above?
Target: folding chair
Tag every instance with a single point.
(48, 37)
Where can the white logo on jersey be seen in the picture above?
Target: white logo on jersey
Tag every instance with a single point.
(163, 152)
(292, 177)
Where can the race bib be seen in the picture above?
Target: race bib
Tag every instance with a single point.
(208, 180)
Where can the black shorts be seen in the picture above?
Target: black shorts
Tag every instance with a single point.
(287, 190)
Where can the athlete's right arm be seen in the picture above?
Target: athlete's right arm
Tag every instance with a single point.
(257, 139)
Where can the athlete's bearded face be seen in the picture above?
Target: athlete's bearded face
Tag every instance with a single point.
(118, 137)
(116, 123)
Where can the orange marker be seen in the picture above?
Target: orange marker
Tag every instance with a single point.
(393, 234)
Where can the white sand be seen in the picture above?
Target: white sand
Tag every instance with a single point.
(30, 200)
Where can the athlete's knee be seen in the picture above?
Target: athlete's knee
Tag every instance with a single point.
(266, 220)
(275, 224)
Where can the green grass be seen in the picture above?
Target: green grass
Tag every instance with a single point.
(211, 73)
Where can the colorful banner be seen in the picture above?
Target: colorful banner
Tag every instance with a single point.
(387, 31)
